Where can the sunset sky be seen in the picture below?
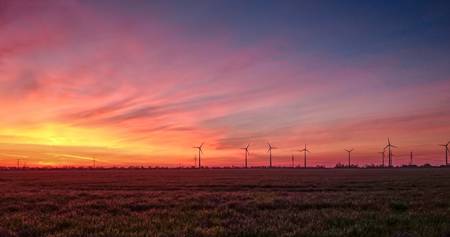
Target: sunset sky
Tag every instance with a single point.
(142, 82)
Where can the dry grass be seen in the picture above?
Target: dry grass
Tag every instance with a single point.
(257, 202)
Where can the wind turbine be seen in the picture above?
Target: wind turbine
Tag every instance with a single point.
(349, 151)
(270, 153)
(200, 151)
(389, 145)
(304, 150)
(446, 152)
(246, 154)
(382, 157)
(292, 159)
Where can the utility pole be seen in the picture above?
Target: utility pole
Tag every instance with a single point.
(411, 159)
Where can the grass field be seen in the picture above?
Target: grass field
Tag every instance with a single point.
(221, 202)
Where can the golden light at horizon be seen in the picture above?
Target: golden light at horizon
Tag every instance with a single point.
(56, 134)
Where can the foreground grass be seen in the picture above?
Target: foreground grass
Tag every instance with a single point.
(277, 202)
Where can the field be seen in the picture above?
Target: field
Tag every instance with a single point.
(226, 202)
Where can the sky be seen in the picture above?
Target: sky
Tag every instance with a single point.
(139, 83)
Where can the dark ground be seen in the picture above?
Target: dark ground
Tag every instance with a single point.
(234, 202)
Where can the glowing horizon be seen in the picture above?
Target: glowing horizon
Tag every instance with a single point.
(141, 83)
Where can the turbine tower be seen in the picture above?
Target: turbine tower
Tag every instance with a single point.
(270, 153)
(446, 152)
(390, 146)
(382, 157)
(292, 160)
(349, 151)
(246, 154)
(200, 151)
(304, 150)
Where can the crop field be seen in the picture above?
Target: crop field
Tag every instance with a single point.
(226, 202)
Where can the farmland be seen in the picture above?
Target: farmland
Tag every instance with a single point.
(226, 202)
